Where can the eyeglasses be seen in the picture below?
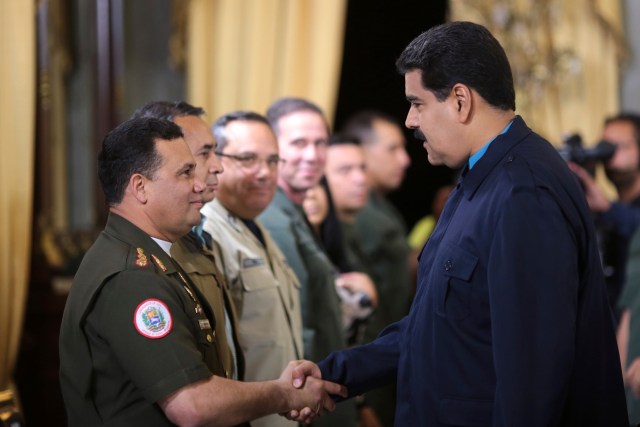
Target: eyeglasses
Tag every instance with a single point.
(251, 162)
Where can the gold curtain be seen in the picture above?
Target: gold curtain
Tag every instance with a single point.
(243, 54)
(17, 103)
(565, 55)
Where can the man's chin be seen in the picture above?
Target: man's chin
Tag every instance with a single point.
(308, 182)
(396, 183)
(620, 179)
(433, 161)
(196, 220)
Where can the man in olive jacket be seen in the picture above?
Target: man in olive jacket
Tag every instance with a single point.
(302, 134)
(191, 251)
(136, 340)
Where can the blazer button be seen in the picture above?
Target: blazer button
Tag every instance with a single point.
(448, 265)
(209, 338)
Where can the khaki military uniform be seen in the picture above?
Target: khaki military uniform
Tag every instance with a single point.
(134, 330)
(266, 293)
(321, 310)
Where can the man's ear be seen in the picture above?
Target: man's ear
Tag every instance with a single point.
(463, 98)
(137, 184)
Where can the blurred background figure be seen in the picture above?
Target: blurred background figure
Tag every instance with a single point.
(422, 230)
(616, 221)
(302, 133)
(321, 214)
(346, 187)
(378, 223)
(357, 291)
(382, 231)
(264, 288)
(629, 331)
(346, 177)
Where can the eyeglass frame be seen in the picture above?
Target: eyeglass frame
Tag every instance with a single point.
(272, 162)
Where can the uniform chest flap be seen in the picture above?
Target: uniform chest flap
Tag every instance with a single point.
(453, 271)
(256, 275)
(201, 265)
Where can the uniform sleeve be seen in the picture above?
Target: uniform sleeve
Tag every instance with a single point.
(368, 366)
(284, 235)
(533, 286)
(151, 331)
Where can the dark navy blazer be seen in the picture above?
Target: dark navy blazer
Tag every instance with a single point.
(510, 325)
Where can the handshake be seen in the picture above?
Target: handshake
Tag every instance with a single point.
(308, 395)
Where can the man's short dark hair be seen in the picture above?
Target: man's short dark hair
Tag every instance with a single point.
(461, 52)
(628, 117)
(219, 126)
(362, 123)
(343, 138)
(129, 149)
(289, 105)
(167, 110)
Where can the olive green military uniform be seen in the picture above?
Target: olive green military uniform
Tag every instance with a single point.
(354, 252)
(321, 311)
(382, 235)
(199, 264)
(266, 293)
(383, 241)
(357, 261)
(134, 330)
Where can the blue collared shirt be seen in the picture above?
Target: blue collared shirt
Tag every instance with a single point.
(478, 155)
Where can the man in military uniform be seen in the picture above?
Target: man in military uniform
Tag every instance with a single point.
(302, 133)
(136, 341)
(264, 288)
(193, 251)
(382, 233)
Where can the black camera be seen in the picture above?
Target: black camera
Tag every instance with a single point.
(573, 151)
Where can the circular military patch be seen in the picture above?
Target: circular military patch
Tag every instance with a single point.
(152, 319)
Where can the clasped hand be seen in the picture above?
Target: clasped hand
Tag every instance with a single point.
(311, 396)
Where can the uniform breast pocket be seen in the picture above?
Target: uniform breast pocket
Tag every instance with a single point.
(256, 276)
(452, 277)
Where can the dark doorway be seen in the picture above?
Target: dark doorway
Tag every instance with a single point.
(376, 33)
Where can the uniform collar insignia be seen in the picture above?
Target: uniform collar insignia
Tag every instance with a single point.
(141, 260)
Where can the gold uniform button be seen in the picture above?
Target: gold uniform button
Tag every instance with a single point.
(209, 337)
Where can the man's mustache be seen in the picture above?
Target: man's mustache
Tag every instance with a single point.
(419, 135)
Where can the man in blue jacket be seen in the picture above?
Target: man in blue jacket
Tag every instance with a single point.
(510, 324)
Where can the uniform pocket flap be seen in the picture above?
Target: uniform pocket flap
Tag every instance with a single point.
(458, 262)
(256, 275)
(198, 265)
